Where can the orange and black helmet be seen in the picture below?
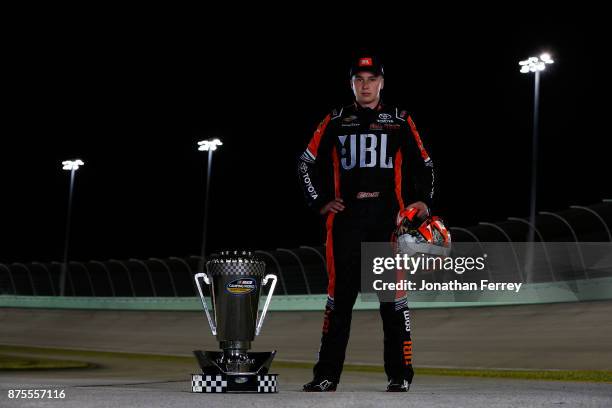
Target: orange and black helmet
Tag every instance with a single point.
(413, 234)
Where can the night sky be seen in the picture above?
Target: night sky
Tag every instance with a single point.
(131, 97)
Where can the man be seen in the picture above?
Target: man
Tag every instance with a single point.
(364, 163)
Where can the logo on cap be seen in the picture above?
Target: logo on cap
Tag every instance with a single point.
(365, 62)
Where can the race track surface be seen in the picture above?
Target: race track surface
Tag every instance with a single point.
(556, 336)
(167, 385)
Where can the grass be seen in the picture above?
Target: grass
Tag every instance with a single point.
(9, 362)
(548, 375)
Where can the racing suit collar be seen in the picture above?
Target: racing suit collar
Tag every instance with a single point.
(367, 114)
(360, 108)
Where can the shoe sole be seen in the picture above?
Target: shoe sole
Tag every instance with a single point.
(319, 391)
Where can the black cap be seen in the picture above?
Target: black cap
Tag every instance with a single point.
(367, 63)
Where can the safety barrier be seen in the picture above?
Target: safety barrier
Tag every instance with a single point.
(535, 293)
(301, 271)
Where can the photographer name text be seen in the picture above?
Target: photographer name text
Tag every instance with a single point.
(423, 285)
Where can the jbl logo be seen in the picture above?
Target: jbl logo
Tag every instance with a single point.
(372, 151)
(407, 349)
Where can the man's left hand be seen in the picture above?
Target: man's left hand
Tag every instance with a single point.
(421, 207)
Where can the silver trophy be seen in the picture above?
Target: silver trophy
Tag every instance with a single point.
(235, 280)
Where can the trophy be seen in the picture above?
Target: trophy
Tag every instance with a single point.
(236, 280)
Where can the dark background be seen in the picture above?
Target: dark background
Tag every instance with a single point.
(132, 95)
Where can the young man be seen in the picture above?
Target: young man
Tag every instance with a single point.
(364, 163)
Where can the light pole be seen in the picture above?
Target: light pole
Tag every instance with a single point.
(209, 145)
(534, 65)
(72, 166)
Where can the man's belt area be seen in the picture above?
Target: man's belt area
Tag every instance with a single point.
(365, 195)
(368, 196)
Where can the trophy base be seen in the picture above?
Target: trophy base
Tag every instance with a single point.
(227, 383)
(216, 378)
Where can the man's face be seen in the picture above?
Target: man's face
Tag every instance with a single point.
(366, 87)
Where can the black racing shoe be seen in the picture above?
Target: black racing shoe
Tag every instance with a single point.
(396, 385)
(320, 385)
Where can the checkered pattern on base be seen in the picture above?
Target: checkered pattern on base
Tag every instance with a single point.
(266, 383)
(208, 383)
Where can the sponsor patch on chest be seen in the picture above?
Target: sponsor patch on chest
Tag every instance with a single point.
(385, 118)
(364, 150)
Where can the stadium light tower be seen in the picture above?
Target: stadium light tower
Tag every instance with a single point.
(534, 65)
(72, 166)
(209, 145)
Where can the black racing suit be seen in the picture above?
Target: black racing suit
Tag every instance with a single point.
(375, 161)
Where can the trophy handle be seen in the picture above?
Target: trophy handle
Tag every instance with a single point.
(268, 299)
(213, 326)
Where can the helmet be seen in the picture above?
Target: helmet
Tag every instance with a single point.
(415, 235)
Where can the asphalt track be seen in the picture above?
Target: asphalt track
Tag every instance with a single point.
(551, 336)
(357, 391)
(559, 336)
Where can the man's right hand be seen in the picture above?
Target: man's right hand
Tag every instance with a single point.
(336, 205)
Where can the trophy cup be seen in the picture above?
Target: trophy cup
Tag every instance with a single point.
(235, 280)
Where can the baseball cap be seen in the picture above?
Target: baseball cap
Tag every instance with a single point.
(368, 63)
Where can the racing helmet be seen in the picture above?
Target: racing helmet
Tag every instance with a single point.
(414, 235)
